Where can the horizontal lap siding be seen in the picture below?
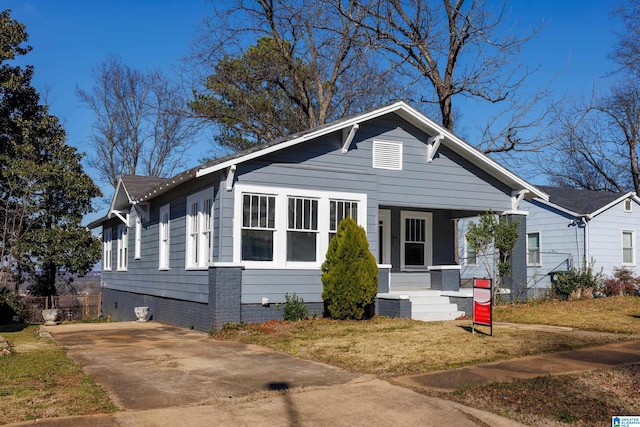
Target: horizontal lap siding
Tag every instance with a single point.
(560, 247)
(605, 237)
(273, 284)
(143, 275)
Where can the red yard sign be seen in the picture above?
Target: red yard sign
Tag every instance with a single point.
(482, 302)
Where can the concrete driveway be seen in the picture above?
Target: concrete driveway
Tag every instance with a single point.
(166, 376)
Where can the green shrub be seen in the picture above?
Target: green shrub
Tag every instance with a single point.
(10, 305)
(349, 273)
(575, 279)
(294, 308)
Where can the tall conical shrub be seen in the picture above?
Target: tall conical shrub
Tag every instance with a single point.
(349, 273)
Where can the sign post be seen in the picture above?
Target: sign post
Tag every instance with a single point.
(482, 304)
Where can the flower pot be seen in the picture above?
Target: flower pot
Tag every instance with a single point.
(141, 313)
(50, 316)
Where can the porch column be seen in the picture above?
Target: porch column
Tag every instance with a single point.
(518, 259)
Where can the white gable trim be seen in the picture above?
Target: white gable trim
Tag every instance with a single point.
(414, 117)
(625, 196)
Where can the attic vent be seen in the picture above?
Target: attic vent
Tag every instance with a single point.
(387, 155)
(627, 205)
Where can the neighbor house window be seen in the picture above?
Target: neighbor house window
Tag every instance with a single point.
(533, 248)
(302, 229)
(107, 249)
(123, 247)
(138, 241)
(627, 205)
(258, 226)
(339, 210)
(628, 247)
(470, 256)
(164, 237)
(199, 229)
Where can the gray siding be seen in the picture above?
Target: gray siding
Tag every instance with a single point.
(143, 275)
(273, 284)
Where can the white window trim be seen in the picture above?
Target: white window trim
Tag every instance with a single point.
(164, 247)
(633, 247)
(123, 246)
(628, 202)
(107, 258)
(428, 255)
(539, 233)
(464, 254)
(138, 239)
(384, 217)
(281, 221)
(199, 197)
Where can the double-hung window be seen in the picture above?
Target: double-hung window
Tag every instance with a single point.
(199, 229)
(533, 248)
(302, 229)
(339, 210)
(123, 247)
(258, 226)
(628, 247)
(470, 255)
(164, 237)
(107, 249)
(279, 227)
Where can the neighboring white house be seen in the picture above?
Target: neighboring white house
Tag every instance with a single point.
(572, 227)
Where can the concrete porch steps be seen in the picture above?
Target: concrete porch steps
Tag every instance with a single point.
(429, 305)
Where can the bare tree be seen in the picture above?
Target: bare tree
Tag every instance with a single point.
(598, 142)
(322, 71)
(627, 52)
(456, 48)
(140, 126)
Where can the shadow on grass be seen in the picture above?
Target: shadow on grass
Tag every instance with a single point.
(635, 316)
(13, 327)
(477, 331)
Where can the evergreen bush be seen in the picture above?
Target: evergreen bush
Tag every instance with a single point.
(349, 273)
(294, 308)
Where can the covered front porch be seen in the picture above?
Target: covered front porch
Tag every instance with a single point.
(419, 262)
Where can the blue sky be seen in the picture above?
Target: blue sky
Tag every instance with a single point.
(70, 37)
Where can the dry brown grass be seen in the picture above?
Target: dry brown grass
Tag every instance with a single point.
(393, 347)
(585, 400)
(613, 314)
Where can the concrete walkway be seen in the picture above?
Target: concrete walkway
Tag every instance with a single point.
(565, 362)
(160, 375)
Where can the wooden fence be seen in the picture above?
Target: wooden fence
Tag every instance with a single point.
(71, 307)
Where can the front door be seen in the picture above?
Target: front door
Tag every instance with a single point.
(415, 247)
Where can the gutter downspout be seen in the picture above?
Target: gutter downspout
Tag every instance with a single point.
(586, 239)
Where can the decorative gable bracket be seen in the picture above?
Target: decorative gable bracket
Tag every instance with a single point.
(433, 144)
(143, 209)
(347, 137)
(124, 218)
(231, 173)
(516, 198)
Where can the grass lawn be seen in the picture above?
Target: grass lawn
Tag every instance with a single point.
(393, 347)
(37, 380)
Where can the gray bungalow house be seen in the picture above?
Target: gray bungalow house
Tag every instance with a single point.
(224, 241)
